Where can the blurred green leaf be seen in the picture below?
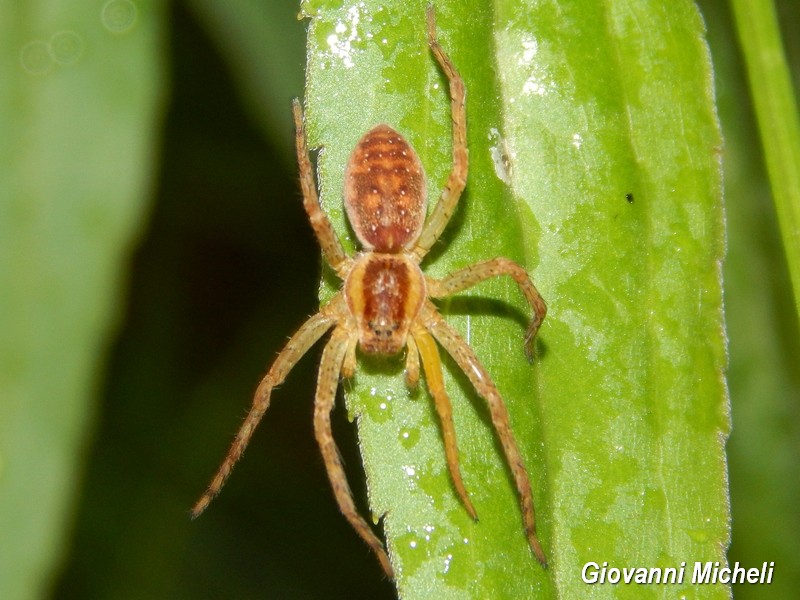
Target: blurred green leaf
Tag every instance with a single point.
(79, 109)
(762, 328)
(592, 168)
(776, 110)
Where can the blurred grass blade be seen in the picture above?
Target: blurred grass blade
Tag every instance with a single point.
(592, 168)
(78, 115)
(762, 328)
(776, 111)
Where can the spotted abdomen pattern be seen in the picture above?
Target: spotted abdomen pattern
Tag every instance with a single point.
(384, 191)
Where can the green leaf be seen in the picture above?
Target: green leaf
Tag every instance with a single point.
(776, 109)
(591, 167)
(761, 314)
(78, 112)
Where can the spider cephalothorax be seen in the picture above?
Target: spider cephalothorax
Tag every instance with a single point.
(385, 302)
(384, 294)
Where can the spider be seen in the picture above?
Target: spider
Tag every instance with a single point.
(385, 303)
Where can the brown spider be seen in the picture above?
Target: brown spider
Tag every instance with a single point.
(384, 305)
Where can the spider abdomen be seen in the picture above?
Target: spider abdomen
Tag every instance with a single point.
(384, 191)
(384, 294)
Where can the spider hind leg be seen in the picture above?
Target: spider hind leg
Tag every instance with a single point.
(468, 362)
(311, 331)
(432, 365)
(333, 357)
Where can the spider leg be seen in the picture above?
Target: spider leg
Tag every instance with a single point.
(412, 363)
(328, 240)
(332, 360)
(448, 200)
(482, 381)
(469, 276)
(311, 331)
(350, 361)
(432, 364)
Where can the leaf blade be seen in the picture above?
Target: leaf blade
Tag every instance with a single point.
(586, 184)
(80, 102)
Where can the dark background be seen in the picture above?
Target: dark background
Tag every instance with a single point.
(227, 270)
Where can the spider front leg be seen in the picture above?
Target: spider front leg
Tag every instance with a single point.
(328, 240)
(474, 274)
(311, 331)
(479, 377)
(327, 383)
(444, 209)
